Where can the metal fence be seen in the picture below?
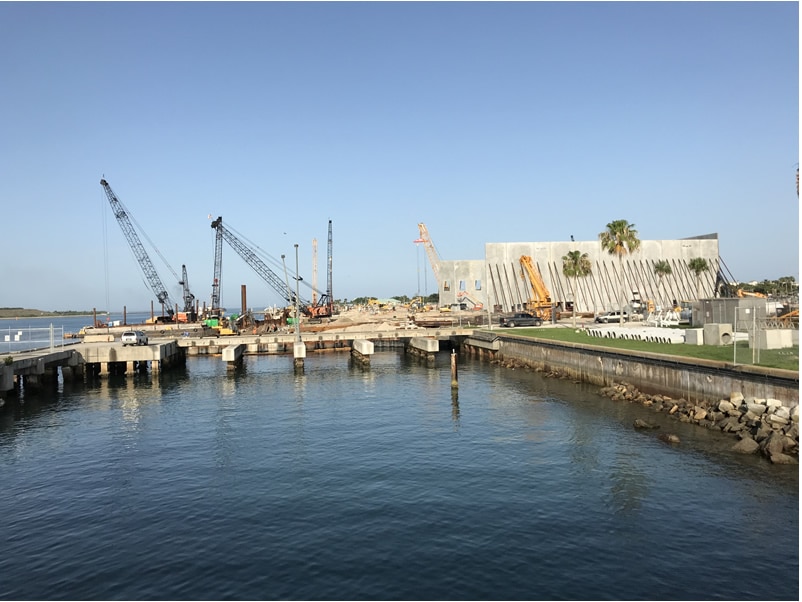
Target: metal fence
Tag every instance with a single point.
(29, 339)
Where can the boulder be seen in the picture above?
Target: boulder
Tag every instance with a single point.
(782, 459)
(746, 445)
(642, 424)
(773, 444)
(783, 412)
(731, 424)
(777, 421)
(756, 408)
(736, 397)
(668, 438)
(725, 406)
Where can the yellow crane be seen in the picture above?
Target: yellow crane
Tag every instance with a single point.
(540, 298)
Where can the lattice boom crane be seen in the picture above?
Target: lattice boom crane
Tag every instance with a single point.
(256, 264)
(138, 249)
(431, 252)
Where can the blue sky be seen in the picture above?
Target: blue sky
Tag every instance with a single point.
(488, 122)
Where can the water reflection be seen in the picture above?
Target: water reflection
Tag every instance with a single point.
(455, 408)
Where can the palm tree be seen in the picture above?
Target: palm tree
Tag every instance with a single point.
(662, 268)
(620, 238)
(576, 265)
(698, 265)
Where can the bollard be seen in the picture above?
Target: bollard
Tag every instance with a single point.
(454, 380)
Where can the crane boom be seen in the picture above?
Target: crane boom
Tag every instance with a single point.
(540, 297)
(218, 264)
(189, 298)
(431, 252)
(328, 275)
(323, 307)
(256, 264)
(314, 271)
(138, 249)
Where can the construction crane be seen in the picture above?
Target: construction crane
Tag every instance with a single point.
(431, 252)
(539, 301)
(139, 251)
(218, 267)
(189, 298)
(261, 268)
(323, 307)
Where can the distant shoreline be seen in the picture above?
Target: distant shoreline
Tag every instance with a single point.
(18, 312)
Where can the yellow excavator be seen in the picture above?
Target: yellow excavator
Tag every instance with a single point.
(742, 293)
(539, 302)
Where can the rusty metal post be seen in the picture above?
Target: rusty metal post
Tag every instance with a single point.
(454, 379)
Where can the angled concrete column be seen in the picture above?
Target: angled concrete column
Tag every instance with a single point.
(232, 356)
(298, 354)
(361, 350)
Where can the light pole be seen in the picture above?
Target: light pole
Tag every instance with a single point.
(298, 348)
(286, 278)
(297, 314)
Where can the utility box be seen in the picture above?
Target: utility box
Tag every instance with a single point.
(718, 334)
(779, 338)
(694, 336)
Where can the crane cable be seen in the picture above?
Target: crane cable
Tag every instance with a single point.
(266, 256)
(104, 208)
(150, 242)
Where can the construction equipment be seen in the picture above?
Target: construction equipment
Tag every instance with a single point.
(464, 299)
(431, 252)
(539, 302)
(189, 298)
(324, 306)
(215, 309)
(268, 275)
(141, 255)
(742, 293)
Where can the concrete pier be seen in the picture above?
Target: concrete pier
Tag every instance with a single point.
(298, 354)
(424, 347)
(361, 351)
(102, 355)
(232, 356)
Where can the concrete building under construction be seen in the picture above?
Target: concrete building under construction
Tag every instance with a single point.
(502, 282)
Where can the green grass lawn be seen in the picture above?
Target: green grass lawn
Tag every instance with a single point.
(785, 359)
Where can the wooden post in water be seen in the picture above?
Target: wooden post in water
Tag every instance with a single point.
(454, 380)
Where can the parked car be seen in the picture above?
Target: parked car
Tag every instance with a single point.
(610, 317)
(520, 319)
(134, 337)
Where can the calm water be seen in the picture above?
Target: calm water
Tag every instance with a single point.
(341, 483)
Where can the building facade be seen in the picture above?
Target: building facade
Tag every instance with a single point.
(501, 283)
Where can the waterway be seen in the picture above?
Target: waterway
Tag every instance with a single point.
(348, 483)
(22, 334)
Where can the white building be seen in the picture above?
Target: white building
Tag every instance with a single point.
(500, 282)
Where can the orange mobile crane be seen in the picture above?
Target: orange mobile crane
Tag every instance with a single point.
(539, 302)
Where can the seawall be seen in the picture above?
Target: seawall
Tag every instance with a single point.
(688, 378)
(759, 405)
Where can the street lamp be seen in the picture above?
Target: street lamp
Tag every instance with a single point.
(297, 314)
(286, 278)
